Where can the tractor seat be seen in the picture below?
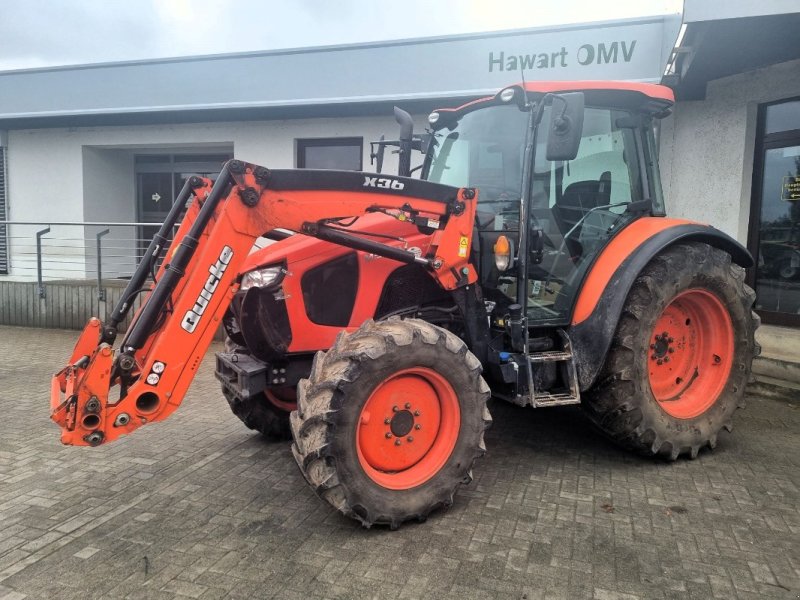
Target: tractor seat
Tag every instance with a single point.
(578, 199)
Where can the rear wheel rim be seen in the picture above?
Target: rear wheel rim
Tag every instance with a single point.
(408, 428)
(691, 354)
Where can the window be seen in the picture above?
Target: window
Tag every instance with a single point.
(601, 159)
(585, 199)
(484, 150)
(330, 153)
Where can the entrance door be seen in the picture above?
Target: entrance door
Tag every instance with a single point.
(776, 237)
(159, 178)
(155, 200)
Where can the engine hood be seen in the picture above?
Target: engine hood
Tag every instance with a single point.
(300, 246)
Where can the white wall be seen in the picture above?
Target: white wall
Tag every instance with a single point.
(45, 180)
(707, 147)
(109, 192)
(86, 174)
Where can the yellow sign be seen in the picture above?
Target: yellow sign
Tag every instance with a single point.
(790, 192)
(462, 246)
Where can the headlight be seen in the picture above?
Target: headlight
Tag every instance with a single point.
(507, 95)
(433, 118)
(261, 277)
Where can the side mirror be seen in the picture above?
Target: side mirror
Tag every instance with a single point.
(422, 142)
(566, 126)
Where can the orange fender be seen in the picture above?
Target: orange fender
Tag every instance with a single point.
(602, 296)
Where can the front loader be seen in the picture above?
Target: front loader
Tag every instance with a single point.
(531, 260)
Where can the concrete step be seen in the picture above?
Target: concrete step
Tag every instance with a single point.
(777, 370)
(774, 388)
(779, 343)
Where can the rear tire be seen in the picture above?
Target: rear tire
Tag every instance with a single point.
(364, 401)
(669, 395)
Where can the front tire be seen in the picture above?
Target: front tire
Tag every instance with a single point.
(267, 412)
(681, 356)
(390, 421)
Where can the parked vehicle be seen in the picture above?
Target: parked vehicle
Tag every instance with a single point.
(531, 260)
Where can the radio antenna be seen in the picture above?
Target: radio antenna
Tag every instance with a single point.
(524, 87)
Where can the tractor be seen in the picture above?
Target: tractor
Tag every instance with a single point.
(530, 260)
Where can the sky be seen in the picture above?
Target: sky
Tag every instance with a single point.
(40, 33)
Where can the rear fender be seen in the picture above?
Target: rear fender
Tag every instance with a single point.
(605, 289)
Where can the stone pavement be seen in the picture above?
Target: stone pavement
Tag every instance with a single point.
(200, 507)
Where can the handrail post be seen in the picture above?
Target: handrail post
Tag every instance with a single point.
(101, 293)
(39, 235)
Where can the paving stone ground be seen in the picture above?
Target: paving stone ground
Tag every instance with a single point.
(201, 507)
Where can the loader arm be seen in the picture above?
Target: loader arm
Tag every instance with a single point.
(104, 393)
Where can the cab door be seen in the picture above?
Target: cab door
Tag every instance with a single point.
(577, 206)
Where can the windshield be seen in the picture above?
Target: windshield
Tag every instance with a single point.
(484, 149)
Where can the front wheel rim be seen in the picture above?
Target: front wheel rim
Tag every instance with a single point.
(690, 354)
(284, 399)
(408, 428)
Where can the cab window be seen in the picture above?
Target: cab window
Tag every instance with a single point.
(579, 204)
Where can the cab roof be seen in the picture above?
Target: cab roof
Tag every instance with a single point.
(651, 90)
(648, 97)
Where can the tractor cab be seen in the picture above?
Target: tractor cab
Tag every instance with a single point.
(560, 168)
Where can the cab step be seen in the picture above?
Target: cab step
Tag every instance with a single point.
(540, 399)
(549, 356)
(562, 399)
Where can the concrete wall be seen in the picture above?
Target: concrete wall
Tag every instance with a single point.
(45, 182)
(66, 305)
(707, 147)
(86, 174)
(109, 191)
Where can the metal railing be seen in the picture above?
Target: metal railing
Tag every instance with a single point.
(49, 251)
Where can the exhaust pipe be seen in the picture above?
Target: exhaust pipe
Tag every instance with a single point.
(406, 135)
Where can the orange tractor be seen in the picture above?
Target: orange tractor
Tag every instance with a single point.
(531, 260)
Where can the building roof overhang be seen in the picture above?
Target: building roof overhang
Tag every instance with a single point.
(330, 81)
(725, 38)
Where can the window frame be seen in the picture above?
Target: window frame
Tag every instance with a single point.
(766, 141)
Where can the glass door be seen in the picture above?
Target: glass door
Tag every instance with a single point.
(155, 199)
(777, 274)
(159, 178)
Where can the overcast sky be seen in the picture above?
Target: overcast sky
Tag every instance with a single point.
(36, 33)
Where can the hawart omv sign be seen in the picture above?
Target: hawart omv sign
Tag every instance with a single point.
(586, 54)
(628, 50)
(303, 78)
